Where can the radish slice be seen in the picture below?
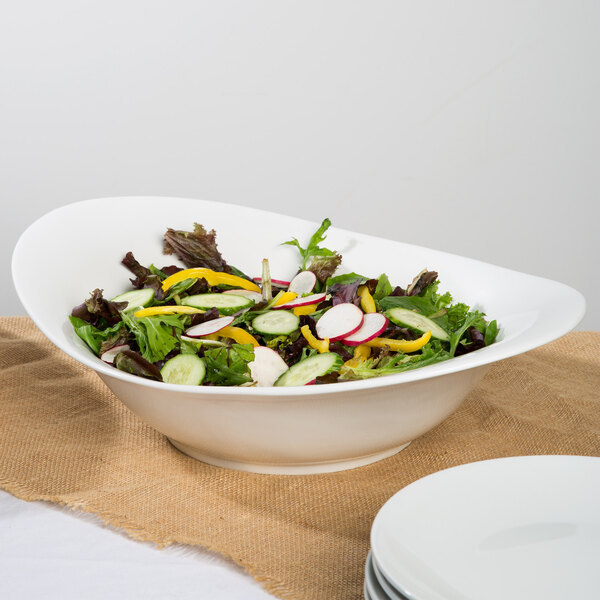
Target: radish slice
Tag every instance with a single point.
(303, 283)
(254, 296)
(109, 355)
(304, 301)
(340, 321)
(278, 282)
(267, 366)
(373, 325)
(209, 327)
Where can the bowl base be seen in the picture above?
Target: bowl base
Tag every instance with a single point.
(288, 469)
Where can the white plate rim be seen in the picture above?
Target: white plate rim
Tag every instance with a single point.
(411, 587)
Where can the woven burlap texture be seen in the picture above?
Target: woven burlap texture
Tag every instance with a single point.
(65, 438)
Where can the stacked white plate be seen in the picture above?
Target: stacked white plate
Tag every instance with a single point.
(524, 528)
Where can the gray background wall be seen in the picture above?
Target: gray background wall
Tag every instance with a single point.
(471, 127)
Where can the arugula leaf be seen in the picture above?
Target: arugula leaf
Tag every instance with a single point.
(158, 272)
(154, 335)
(178, 288)
(229, 366)
(91, 335)
(313, 249)
(396, 363)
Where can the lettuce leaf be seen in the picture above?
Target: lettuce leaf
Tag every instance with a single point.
(198, 248)
(396, 363)
(155, 335)
(93, 336)
(229, 365)
(345, 279)
(383, 289)
(491, 332)
(134, 363)
(98, 311)
(472, 319)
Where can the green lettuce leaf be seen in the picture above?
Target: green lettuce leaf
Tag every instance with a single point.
(491, 332)
(383, 289)
(472, 319)
(155, 335)
(345, 279)
(229, 366)
(424, 306)
(93, 336)
(396, 363)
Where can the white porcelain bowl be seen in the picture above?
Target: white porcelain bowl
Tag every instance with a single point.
(70, 251)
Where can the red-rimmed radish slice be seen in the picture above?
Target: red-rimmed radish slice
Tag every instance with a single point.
(254, 296)
(267, 366)
(209, 327)
(374, 324)
(340, 321)
(303, 283)
(312, 299)
(109, 355)
(278, 282)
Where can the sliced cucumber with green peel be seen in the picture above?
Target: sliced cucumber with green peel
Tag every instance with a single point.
(414, 320)
(184, 369)
(276, 322)
(226, 304)
(135, 299)
(307, 370)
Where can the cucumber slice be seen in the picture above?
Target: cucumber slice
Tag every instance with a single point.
(276, 322)
(410, 318)
(226, 304)
(310, 368)
(185, 369)
(135, 298)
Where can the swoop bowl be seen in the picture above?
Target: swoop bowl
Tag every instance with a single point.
(77, 248)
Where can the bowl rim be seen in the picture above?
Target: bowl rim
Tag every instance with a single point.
(483, 357)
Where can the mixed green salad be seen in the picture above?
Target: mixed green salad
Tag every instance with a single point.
(211, 324)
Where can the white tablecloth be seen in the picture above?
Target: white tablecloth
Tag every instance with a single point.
(53, 553)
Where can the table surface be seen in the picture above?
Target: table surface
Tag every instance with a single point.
(55, 553)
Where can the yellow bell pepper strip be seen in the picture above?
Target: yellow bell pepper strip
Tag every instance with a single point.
(400, 345)
(307, 309)
(313, 342)
(361, 353)
(212, 278)
(167, 310)
(366, 300)
(238, 335)
(285, 297)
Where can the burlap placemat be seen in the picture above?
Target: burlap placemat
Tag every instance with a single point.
(65, 438)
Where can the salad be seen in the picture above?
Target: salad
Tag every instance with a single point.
(211, 324)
